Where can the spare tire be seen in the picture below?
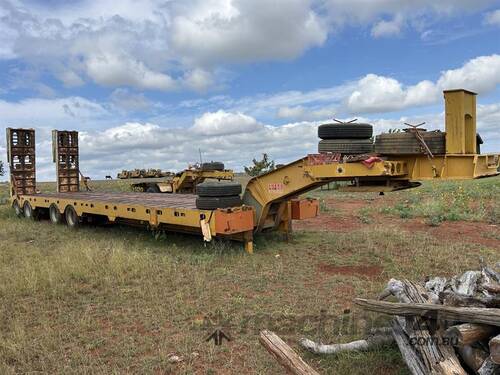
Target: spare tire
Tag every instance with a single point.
(343, 131)
(212, 166)
(217, 189)
(346, 146)
(407, 144)
(153, 188)
(212, 203)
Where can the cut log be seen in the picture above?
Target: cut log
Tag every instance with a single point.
(469, 333)
(454, 299)
(354, 346)
(473, 357)
(495, 349)
(430, 356)
(492, 274)
(431, 311)
(285, 355)
(489, 368)
(492, 288)
(409, 352)
(466, 283)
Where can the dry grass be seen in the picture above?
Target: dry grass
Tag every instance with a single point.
(114, 300)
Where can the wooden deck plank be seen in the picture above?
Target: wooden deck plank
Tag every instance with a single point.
(157, 200)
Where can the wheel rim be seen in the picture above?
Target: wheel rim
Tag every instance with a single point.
(28, 211)
(54, 214)
(71, 217)
(17, 209)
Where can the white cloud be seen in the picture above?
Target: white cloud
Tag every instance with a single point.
(481, 74)
(493, 18)
(149, 44)
(168, 45)
(380, 94)
(388, 28)
(245, 31)
(224, 123)
(364, 11)
(51, 112)
(114, 70)
(124, 99)
(198, 80)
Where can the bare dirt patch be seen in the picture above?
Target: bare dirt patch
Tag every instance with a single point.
(329, 223)
(371, 272)
(471, 232)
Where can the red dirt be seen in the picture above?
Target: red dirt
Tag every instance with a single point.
(371, 272)
(458, 231)
(345, 219)
(329, 223)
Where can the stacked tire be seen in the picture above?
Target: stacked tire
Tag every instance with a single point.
(405, 143)
(345, 138)
(212, 166)
(214, 195)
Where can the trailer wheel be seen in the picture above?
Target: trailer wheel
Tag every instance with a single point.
(54, 214)
(212, 166)
(153, 189)
(212, 203)
(344, 131)
(214, 189)
(29, 212)
(17, 209)
(72, 218)
(346, 146)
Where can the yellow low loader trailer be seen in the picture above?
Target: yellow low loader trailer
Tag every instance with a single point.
(182, 183)
(270, 201)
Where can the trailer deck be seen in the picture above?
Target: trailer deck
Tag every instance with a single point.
(158, 211)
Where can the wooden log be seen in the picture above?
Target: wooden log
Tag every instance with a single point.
(491, 273)
(409, 352)
(454, 299)
(489, 368)
(473, 357)
(354, 346)
(466, 284)
(285, 355)
(495, 349)
(491, 287)
(430, 356)
(431, 311)
(469, 333)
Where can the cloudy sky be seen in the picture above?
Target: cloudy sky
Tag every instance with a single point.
(149, 83)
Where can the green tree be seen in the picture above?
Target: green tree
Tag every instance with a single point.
(260, 166)
(1, 168)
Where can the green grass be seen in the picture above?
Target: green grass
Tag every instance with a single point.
(106, 300)
(475, 200)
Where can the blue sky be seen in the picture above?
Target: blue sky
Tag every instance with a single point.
(149, 83)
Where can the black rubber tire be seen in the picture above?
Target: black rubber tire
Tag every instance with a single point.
(345, 131)
(72, 218)
(54, 215)
(153, 189)
(17, 208)
(212, 166)
(407, 144)
(29, 212)
(346, 146)
(212, 203)
(214, 189)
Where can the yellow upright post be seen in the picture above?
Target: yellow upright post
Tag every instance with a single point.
(460, 109)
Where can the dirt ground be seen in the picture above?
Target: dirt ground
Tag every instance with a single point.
(345, 217)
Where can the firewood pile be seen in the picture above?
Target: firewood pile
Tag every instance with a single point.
(441, 326)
